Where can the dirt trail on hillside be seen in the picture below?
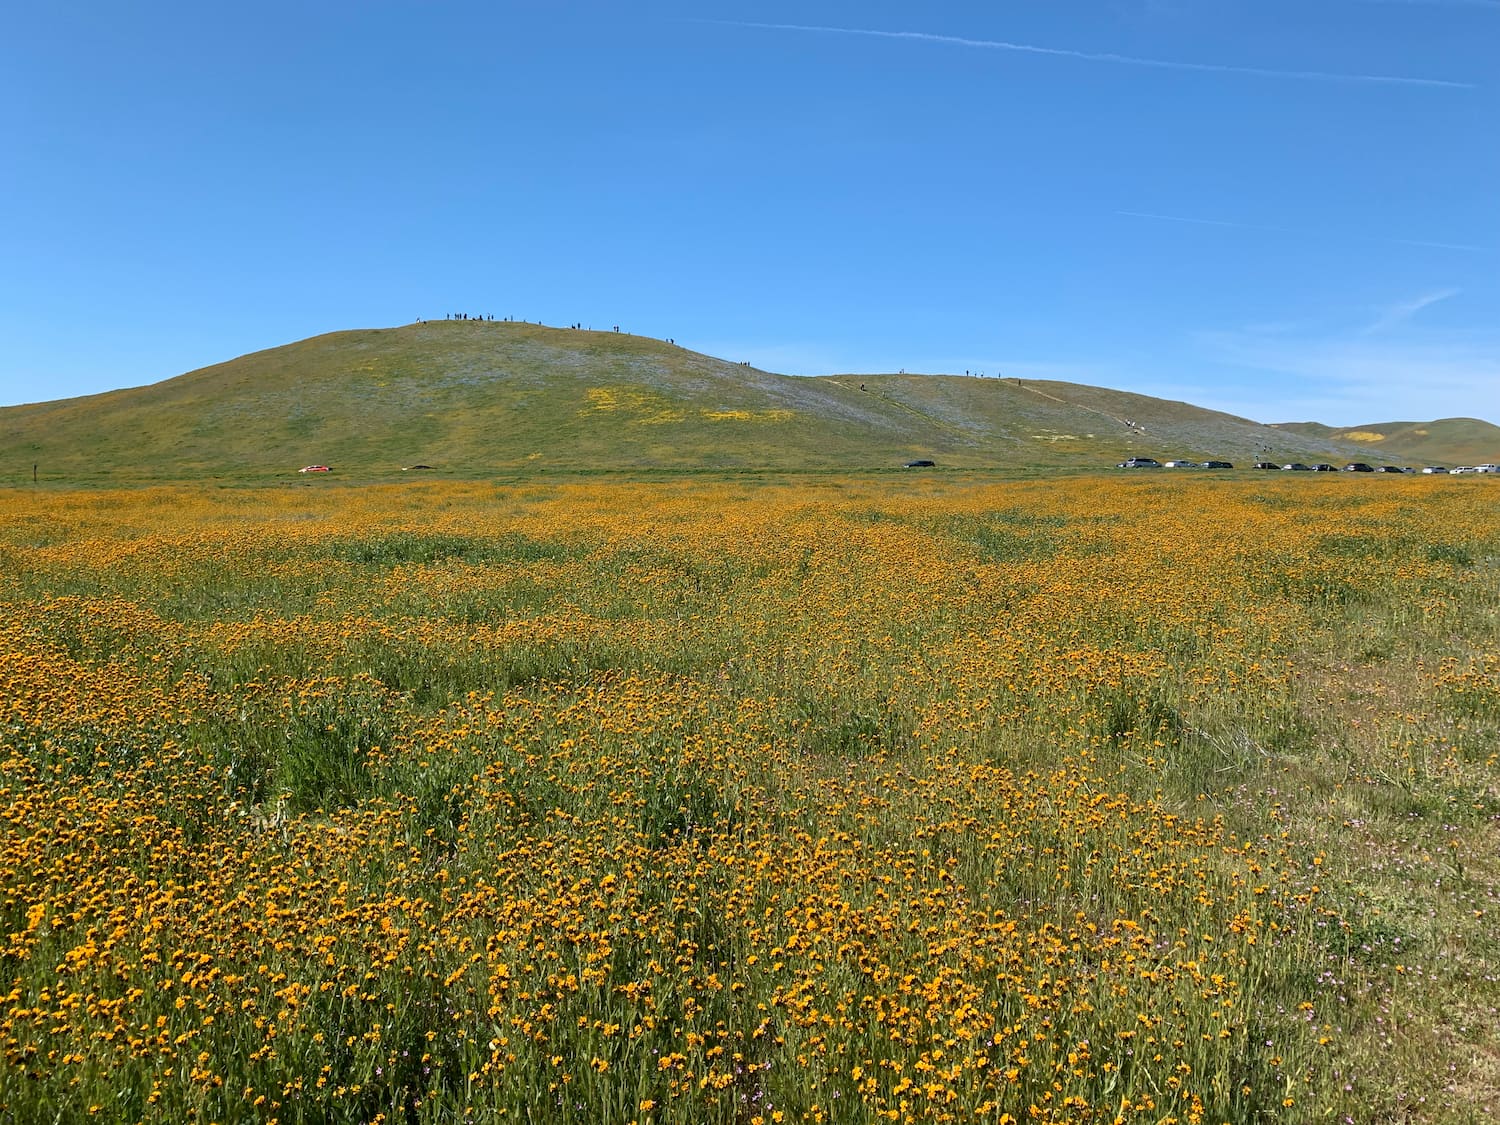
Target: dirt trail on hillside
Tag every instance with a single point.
(967, 435)
(1077, 406)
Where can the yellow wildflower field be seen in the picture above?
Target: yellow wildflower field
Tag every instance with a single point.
(835, 799)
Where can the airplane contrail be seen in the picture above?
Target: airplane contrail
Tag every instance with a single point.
(1105, 56)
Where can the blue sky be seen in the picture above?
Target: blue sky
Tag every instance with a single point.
(1285, 210)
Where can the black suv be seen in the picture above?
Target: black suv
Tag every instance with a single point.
(1358, 467)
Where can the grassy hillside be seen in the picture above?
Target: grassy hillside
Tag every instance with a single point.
(1447, 441)
(475, 398)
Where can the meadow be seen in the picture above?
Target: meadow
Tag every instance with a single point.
(843, 799)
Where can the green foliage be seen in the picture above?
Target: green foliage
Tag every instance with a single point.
(685, 806)
(1455, 554)
(1009, 537)
(1143, 715)
(403, 548)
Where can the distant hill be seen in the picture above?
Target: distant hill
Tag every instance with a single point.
(473, 398)
(1446, 441)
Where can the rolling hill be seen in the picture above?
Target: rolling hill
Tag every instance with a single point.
(476, 398)
(1446, 441)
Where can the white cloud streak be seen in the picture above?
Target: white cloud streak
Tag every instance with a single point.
(1403, 311)
(1467, 249)
(1345, 381)
(1105, 56)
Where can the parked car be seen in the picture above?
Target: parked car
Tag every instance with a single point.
(1390, 469)
(1358, 467)
(1434, 469)
(1487, 468)
(315, 469)
(1296, 467)
(1182, 465)
(1324, 467)
(1462, 469)
(1218, 465)
(921, 464)
(1266, 465)
(1139, 463)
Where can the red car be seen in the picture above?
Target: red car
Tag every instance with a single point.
(315, 469)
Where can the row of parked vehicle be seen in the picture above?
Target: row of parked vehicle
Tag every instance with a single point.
(1299, 467)
(1153, 463)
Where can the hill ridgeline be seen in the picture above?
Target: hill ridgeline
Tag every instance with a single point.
(475, 398)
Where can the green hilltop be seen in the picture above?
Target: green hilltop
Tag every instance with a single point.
(1446, 441)
(477, 398)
